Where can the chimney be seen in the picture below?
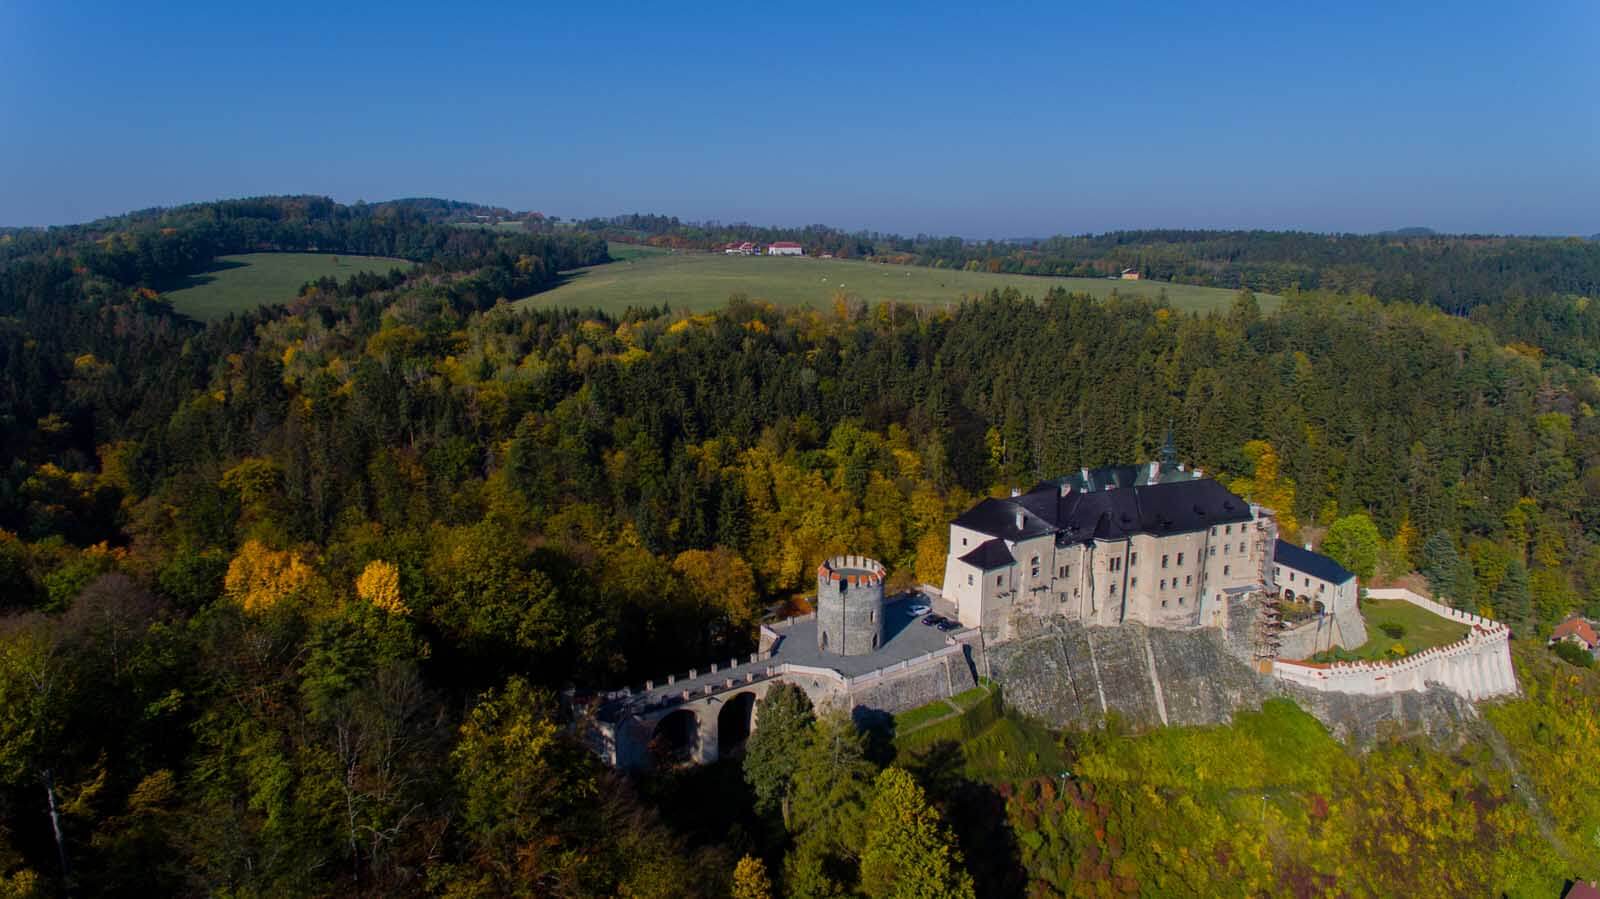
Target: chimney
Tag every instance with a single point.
(1016, 491)
(1199, 473)
(1066, 488)
(1180, 466)
(1084, 473)
(1155, 470)
(1308, 548)
(1019, 521)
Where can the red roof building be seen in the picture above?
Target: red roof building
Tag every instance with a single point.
(1576, 630)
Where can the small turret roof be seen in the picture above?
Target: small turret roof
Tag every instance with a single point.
(989, 555)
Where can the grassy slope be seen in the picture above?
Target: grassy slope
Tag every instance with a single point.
(241, 283)
(695, 281)
(1423, 629)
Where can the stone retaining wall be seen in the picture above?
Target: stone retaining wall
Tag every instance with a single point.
(1476, 667)
(1342, 629)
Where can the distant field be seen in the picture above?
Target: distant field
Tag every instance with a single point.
(647, 276)
(241, 283)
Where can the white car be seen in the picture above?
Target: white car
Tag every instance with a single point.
(920, 609)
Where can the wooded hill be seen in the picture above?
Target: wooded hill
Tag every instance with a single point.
(289, 598)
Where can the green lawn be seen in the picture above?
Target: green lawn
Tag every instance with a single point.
(1419, 629)
(241, 283)
(646, 276)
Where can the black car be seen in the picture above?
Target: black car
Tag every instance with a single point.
(946, 624)
(934, 620)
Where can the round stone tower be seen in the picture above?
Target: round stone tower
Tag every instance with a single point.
(849, 605)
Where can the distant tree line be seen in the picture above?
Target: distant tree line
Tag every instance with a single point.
(1456, 273)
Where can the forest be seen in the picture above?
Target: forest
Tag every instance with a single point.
(290, 602)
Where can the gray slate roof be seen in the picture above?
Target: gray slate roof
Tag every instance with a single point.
(989, 555)
(1313, 563)
(1113, 512)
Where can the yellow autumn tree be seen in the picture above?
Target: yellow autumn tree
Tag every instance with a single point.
(379, 584)
(259, 578)
(1268, 487)
(720, 578)
(931, 553)
(750, 880)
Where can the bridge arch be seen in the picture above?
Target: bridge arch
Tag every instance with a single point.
(676, 738)
(735, 722)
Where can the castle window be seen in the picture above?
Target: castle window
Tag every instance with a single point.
(1113, 590)
(1163, 583)
(1213, 530)
(1241, 546)
(999, 580)
(1163, 604)
(1066, 570)
(1211, 550)
(1225, 569)
(1276, 572)
(1224, 549)
(1180, 560)
(1035, 564)
(1133, 582)
(1180, 600)
(1163, 561)
(963, 541)
(1187, 580)
(1228, 529)
(1133, 559)
(1116, 564)
(969, 580)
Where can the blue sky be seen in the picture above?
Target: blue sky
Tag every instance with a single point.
(979, 120)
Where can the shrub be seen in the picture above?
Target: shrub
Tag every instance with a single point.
(1393, 630)
(1573, 654)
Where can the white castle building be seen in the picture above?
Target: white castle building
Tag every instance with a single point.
(1158, 544)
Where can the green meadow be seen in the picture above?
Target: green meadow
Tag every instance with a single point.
(1395, 622)
(244, 282)
(647, 276)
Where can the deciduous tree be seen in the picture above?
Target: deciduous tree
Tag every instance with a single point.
(910, 853)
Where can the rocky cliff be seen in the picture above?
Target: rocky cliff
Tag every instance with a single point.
(1073, 676)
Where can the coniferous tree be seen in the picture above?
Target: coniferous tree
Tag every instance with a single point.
(1439, 560)
(1512, 600)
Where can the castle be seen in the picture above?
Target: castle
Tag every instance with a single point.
(1159, 544)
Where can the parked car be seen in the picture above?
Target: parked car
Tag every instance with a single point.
(933, 620)
(946, 624)
(920, 609)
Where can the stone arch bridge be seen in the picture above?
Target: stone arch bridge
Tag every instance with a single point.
(707, 714)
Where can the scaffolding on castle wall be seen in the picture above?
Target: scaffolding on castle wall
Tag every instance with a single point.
(1269, 622)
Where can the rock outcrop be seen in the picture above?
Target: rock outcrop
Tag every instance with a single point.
(1073, 676)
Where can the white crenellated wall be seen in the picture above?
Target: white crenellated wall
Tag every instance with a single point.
(1477, 666)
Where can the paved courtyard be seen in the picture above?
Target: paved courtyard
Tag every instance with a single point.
(904, 637)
